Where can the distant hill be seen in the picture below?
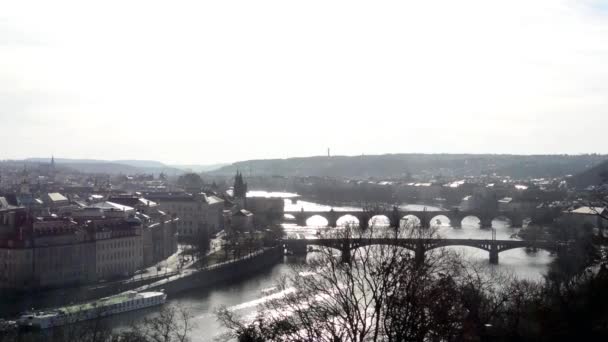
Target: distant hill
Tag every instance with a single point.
(593, 176)
(399, 165)
(111, 167)
(199, 168)
(142, 163)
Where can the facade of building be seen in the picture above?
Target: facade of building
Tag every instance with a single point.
(119, 249)
(195, 211)
(267, 210)
(54, 252)
(587, 216)
(242, 220)
(16, 265)
(62, 253)
(159, 240)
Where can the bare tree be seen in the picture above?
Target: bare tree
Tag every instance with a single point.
(385, 293)
(171, 324)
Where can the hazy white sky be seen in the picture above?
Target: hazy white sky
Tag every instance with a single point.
(215, 81)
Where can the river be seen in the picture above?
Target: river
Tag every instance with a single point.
(245, 295)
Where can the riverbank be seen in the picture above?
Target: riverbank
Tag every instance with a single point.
(219, 273)
(13, 304)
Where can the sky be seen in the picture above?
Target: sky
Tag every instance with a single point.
(217, 81)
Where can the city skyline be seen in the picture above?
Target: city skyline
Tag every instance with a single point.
(205, 83)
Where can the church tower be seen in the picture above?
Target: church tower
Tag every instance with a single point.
(239, 190)
(24, 188)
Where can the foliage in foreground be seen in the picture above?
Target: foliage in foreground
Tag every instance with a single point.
(386, 294)
(171, 324)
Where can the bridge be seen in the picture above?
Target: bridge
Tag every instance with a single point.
(426, 217)
(418, 246)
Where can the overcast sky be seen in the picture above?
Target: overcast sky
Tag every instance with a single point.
(216, 81)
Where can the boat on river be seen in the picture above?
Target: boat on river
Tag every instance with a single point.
(104, 307)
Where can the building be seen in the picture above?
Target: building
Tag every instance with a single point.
(105, 240)
(587, 216)
(158, 229)
(241, 220)
(119, 248)
(16, 264)
(159, 241)
(195, 211)
(15, 259)
(505, 204)
(55, 200)
(63, 253)
(53, 252)
(266, 210)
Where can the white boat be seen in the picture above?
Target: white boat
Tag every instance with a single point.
(124, 302)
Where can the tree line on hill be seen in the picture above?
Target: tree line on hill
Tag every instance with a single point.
(428, 165)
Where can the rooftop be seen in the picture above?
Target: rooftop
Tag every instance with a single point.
(588, 211)
(56, 197)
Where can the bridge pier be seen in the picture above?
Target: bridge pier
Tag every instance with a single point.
(345, 257)
(455, 222)
(332, 219)
(419, 255)
(425, 222)
(494, 254)
(395, 218)
(517, 222)
(363, 221)
(301, 218)
(298, 249)
(485, 223)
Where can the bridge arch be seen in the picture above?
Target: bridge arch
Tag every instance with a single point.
(317, 221)
(541, 247)
(471, 221)
(498, 220)
(347, 219)
(410, 221)
(440, 220)
(419, 246)
(379, 221)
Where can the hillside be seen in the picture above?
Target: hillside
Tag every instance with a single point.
(400, 165)
(111, 167)
(199, 168)
(593, 176)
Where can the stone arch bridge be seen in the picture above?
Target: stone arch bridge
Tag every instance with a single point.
(418, 246)
(426, 216)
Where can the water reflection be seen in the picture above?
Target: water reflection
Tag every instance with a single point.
(347, 220)
(317, 221)
(245, 295)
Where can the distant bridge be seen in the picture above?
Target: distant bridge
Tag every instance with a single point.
(426, 217)
(418, 246)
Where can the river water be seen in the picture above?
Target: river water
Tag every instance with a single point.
(245, 295)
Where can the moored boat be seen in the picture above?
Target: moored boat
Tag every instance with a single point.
(124, 302)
